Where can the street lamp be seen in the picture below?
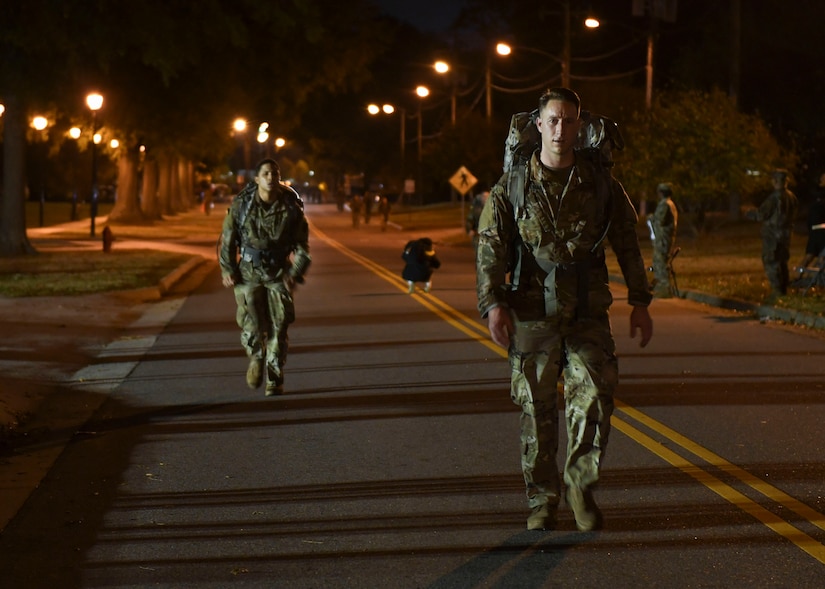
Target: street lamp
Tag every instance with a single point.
(594, 23)
(74, 133)
(421, 92)
(94, 101)
(239, 125)
(505, 49)
(442, 67)
(389, 109)
(39, 124)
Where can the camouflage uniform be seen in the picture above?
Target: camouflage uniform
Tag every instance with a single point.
(271, 244)
(559, 297)
(777, 214)
(664, 220)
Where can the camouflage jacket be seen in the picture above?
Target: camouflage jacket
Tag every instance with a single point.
(262, 242)
(777, 213)
(665, 219)
(554, 251)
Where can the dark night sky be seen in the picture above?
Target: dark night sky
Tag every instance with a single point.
(426, 15)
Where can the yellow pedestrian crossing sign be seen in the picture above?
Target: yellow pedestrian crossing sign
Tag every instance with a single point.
(463, 181)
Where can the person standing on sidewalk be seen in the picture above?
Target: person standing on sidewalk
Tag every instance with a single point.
(777, 213)
(553, 314)
(815, 246)
(264, 253)
(663, 221)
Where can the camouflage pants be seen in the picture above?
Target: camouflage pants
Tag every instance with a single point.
(583, 355)
(775, 256)
(661, 251)
(264, 314)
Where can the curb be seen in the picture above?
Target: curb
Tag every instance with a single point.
(168, 282)
(763, 312)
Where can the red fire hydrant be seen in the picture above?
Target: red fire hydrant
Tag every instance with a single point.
(108, 238)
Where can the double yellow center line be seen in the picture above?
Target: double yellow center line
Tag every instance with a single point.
(698, 453)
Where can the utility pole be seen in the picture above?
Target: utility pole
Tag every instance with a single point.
(735, 49)
(565, 52)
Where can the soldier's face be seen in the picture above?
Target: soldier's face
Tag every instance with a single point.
(558, 123)
(266, 178)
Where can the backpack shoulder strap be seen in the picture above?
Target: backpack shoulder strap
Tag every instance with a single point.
(517, 180)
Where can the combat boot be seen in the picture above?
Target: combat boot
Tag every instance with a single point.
(274, 390)
(254, 374)
(587, 513)
(543, 517)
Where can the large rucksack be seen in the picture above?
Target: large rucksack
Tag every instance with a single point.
(246, 196)
(597, 138)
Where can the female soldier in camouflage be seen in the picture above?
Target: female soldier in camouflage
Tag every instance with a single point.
(264, 253)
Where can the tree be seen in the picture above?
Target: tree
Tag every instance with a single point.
(172, 74)
(703, 145)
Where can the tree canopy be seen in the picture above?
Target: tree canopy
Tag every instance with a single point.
(702, 144)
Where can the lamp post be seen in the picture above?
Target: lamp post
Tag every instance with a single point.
(505, 49)
(39, 124)
(389, 109)
(239, 125)
(74, 133)
(442, 67)
(422, 92)
(94, 101)
(594, 23)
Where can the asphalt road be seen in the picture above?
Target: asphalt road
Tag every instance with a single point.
(393, 459)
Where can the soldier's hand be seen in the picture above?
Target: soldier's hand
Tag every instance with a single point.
(289, 281)
(640, 319)
(500, 323)
(228, 280)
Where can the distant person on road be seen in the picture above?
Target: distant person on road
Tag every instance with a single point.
(420, 262)
(384, 207)
(777, 213)
(553, 314)
(815, 246)
(663, 221)
(356, 203)
(264, 253)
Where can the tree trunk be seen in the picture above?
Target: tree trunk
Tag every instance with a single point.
(165, 185)
(13, 238)
(177, 201)
(127, 207)
(149, 197)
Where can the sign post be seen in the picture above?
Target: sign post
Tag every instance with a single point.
(463, 181)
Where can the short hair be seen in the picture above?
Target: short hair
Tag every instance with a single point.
(270, 161)
(560, 93)
(780, 174)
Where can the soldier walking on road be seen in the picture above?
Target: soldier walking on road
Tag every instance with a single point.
(264, 253)
(553, 316)
(663, 221)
